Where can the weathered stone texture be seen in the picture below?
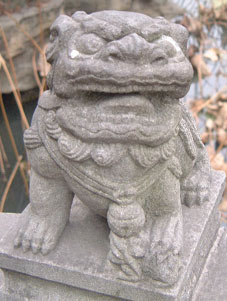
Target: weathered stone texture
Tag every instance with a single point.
(212, 283)
(69, 274)
(112, 132)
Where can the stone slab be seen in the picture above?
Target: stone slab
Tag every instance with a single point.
(34, 289)
(212, 284)
(87, 234)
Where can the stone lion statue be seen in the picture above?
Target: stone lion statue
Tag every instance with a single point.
(112, 131)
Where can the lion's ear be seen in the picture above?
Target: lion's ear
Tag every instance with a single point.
(65, 26)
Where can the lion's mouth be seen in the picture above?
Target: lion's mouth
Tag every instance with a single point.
(97, 76)
(101, 109)
(121, 118)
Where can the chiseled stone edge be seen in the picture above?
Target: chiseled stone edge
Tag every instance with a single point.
(33, 288)
(213, 272)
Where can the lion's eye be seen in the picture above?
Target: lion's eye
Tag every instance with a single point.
(90, 43)
(53, 35)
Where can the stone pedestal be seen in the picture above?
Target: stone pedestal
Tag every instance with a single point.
(76, 269)
(212, 282)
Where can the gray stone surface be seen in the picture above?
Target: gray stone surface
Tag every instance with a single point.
(34, 289)
(79, 260)
(1, 279)
(212, 284)
(112, 131)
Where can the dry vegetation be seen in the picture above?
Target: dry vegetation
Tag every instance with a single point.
(40, 73)
(202, 50)
(206, 52)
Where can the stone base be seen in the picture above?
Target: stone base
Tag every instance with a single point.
(212, 282)
(75, 270)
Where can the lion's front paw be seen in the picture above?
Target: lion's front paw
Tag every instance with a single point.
(198, 197)
(40, 234)
(194, 192)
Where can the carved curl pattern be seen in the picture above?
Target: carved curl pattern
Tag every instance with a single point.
(52, 126)
(32, 139)
(126, 220)
(148, 156)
